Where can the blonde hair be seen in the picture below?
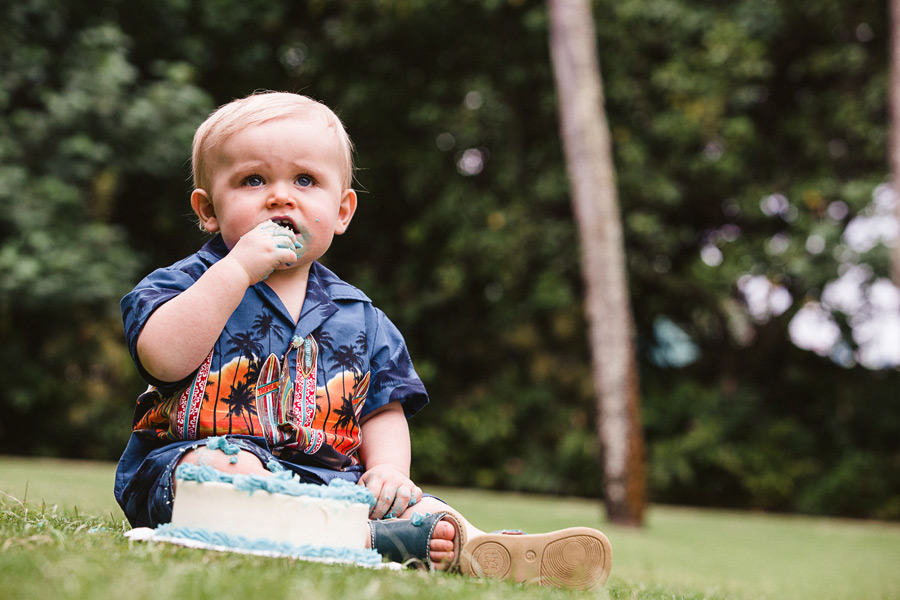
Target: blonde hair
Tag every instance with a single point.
(256, 109)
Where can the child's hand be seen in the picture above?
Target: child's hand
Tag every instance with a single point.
(265, 248)
(394, 492)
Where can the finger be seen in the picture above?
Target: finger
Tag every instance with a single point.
(375, 486)
(284, 259)
(269, 227)
(288, 241)
(385, 502)
(275, 230)
(284, 239)
(400, 504)
(282, 232)
(404, 500)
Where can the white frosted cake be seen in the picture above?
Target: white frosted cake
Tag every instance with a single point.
(274, 514)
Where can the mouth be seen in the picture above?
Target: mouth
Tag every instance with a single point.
(287, 223)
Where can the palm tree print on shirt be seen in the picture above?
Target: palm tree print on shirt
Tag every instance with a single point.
(341, 426)
(234, 386)
(265, 326)
(349, 360)
(384, 380)
(338, 402)
(243, 371)
(241, 400)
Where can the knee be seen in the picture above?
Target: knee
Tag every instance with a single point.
(242, 463)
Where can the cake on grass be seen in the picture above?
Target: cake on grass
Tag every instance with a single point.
(273, 515)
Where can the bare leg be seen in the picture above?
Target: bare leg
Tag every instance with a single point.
(245, 463)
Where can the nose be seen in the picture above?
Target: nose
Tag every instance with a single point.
(280, 195)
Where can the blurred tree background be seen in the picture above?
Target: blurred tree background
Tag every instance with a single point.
(750, 143)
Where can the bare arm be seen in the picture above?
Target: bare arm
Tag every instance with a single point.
(385, 452)
(179, 335)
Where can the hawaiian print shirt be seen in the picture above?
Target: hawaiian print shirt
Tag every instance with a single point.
(303, 387)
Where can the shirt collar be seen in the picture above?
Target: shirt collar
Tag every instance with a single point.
(323, 289)
(322, 281)
(213, 250)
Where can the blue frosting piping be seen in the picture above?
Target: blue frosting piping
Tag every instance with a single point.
(365, 557)
(220, 443)
(283, 482)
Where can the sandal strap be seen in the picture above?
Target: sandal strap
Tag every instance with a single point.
(408, 541)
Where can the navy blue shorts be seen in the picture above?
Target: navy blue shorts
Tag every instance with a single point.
(144, 476)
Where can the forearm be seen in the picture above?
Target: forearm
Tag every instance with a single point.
(385, 439)
(385, 452)
(179, 335)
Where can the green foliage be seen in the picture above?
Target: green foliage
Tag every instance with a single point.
(80, 129)
(858, 482)
(464, 233)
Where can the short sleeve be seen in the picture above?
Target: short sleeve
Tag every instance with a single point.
(394, 379)
(152, 292)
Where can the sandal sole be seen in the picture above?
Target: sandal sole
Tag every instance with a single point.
(576, 558)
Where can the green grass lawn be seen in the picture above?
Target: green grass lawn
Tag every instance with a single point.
(61, 535)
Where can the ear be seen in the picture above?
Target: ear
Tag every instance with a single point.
(345, 211)
(204, 209)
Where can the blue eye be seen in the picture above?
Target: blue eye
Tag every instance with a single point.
(254, 181)
(304, 181)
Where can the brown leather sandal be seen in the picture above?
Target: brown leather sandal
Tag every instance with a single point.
(577, 557)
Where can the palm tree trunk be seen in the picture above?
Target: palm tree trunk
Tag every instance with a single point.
(894, 125)
(233, 385)
(588, 151)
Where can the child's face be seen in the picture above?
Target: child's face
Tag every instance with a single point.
(287, 170)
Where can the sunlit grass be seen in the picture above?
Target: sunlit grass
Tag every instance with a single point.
(66, 539)
(736, 554)
(84, 486)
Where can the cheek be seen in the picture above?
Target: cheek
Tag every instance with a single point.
(316, 232)
(233, 225)
(319, 233)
